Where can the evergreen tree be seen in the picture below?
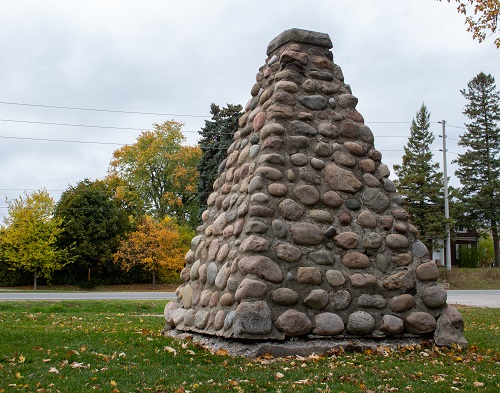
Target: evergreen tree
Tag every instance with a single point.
(216, 137)
(420, 182)
(479, 166)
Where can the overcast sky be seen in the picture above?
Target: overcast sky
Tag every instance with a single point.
(175, 58)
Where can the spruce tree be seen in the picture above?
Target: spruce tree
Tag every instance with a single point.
(216, 137)
(420, 182)
(479, 166)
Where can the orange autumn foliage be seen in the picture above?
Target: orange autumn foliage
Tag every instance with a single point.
(159, 246)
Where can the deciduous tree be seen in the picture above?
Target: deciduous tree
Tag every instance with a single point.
(420, 181)
(29, 237)
(159, 246)
(481, 17)
(161, 171)
(216, 137)
(479, 166)
(93, 221)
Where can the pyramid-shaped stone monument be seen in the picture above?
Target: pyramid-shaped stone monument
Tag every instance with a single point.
(305, 234)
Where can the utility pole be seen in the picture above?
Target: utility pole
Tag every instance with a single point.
(446, 206)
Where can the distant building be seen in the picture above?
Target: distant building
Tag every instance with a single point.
(462, 236)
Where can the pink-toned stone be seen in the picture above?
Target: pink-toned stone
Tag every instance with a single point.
(427, 271)
(255, 243)
(308, 275)
(402, 302)
(306, 234)
(341, 180)
(356, 260)
(332, 199)
(362, 280)
(346, 240)
(259, 121)
(306, 194)
(419, 322)
(262, 267)
(293, 323)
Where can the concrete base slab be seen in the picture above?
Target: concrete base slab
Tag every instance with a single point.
(293, 347)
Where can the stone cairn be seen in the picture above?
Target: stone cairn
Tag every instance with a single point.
(304, 234)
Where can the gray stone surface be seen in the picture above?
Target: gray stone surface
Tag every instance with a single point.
(304, 232)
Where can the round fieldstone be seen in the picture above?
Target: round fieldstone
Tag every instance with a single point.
(271, 129)
(322, 257)
(375, 200)
(255, 184)
(255, 226)
(227, 299)
(314, 102)
(433, 297)
(328, 130)
(321, 215)
(316, 163)
(360, 323)
(288, 86)
(362, 280)
(168, 312)
(308, 275)
(345, 219)
(219, 320)
(201, 319)
(205, 297)
(306, 194)
(368, 167)
(344, 158)
(356, 260)
(383, 170)
(371, 301)
(254, 150)
(323, 149)
(332, 199)
(402, 302)
(269, 173)
(419, 249)
(370, 180)
(288, 252)
(347, 100)
(353, 203)
(388, 185)
(396, 241)
(299, 127)
(285, 296)
(228, 321)
(341, 180)
(189, 317)
(328, 324)
(299, 159)
(391, 325)
(250, 288)
(402, 259)
(261, 266)
(346, 240)
(252, 318)
(277, 189)
(317, 299)
(427, 271)
(341, 299)
(211, 273)
(387, 222)
(398, 280)
(355, 148)
(293, 323)
(335, 278)
(419, 322)
(273, 143)
(306, 234)
(222, 277)
(280, 229)
(367, 219)
(290, 210)
(349, 130)
(382, 262)
(254, 243)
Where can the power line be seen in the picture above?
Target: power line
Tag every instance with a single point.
(61, 140)
(101, 110)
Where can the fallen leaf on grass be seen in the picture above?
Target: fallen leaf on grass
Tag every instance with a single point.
(53, 370)
(279, 375)
(171, 350)
(46, 360)
(221, 352)
(478, 384)
(21, 359)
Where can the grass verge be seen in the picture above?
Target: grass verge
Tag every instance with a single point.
(472, 278)
(83, 346)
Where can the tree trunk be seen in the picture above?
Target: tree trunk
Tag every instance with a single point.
(154, 279)
(496, 248)
(34, 281)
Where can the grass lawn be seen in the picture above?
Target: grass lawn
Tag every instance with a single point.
(117, 346)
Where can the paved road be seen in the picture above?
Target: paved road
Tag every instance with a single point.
(478, 298)
(45, 295)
